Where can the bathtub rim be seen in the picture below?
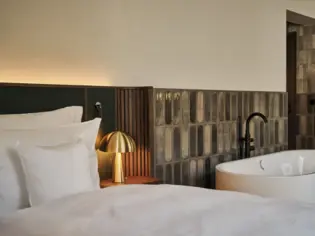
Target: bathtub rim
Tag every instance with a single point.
(219, 168)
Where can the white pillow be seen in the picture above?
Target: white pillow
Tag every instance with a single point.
(13, 194)
(63, 116)
(56, 171)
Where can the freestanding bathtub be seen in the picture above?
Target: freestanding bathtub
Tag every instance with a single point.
(286, 174)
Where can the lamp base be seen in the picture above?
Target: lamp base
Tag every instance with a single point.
(118, 171)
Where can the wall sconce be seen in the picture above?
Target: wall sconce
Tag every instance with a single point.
(98, 107)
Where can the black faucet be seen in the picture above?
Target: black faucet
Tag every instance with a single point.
(244, 142)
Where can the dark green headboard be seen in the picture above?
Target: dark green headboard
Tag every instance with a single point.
(27, 98)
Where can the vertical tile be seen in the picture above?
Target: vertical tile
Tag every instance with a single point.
(193, 106)
(169, 174)
(281, 131)
(257, 135)
(176, 144)
(309, 103)
(200, 107)
(297, 128)
(200, 140)
(193, 141)
(298, 142)
(301, 104)
(252, 127)
(192, 173)
(245, 105)
(207, 105)
(228, 157)
(221, 106)
(266, 151)
(233, 137)
(234, 106)
(262, 133)
(303, 125)
(256, 102)
(227, 106)
(276, 105)
(234, 157)
(286, 131)
(220, 138)
(177, 173)
(168, 144)
(160, 144)
(281, 105)
(300, 72)
(267, 136)
(207, 170)
(177, 115)
(168, 108)
(299, 86)
(262, 106)
(251, 103)
(276, 132)
(271, 105)
(267, 105)
(303, 142)
(227, 133)
(240, 104)
(310, 125)
(185, 173)
(207, 133)
(310, 143)
(214, 138)
(185, 109)
(214, 106)
(159, 172)
(271, 125)
(201, 173)
(184, 142)
(213, 162)
(160, 108)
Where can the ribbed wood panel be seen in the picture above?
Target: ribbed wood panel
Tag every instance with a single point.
(133, 112)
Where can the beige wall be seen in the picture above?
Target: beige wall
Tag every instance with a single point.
(210, 44)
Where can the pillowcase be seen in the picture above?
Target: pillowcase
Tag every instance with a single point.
(13, 193)
(63, 116)
(56, 171)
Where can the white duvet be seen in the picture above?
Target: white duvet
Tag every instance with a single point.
(162, 210)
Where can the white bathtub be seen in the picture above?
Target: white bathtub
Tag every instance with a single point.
(287, 175)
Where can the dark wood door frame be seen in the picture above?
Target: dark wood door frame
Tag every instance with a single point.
(291, 88)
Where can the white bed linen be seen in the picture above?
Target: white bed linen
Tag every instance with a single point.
(162, 210)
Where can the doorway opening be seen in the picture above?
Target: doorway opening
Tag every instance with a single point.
(300, 81)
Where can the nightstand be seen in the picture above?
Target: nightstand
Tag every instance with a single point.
(131, 180)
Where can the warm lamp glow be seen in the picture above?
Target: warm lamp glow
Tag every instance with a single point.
(84, 78)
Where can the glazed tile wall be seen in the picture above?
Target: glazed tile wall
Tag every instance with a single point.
(196, 130)
(305, 88)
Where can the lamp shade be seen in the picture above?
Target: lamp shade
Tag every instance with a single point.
(117, 142)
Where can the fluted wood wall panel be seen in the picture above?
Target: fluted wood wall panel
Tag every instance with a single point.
(134, 115)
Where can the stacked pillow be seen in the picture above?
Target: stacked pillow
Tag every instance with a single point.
(45, 156)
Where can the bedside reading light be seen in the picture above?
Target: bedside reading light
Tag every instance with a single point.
(117, 142)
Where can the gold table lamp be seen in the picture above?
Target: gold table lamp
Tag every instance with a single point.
(117, 142)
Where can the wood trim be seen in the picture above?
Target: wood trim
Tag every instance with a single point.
(291, 88)
(299, 19)
(133, 117)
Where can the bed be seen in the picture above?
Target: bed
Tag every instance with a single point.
(49, 185)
